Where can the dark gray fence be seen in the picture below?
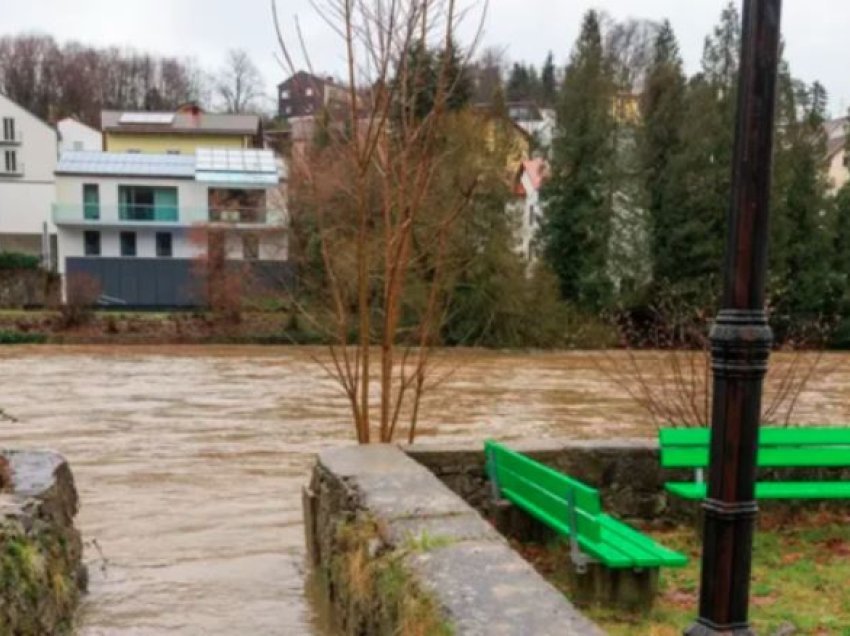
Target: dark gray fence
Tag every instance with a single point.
(166, 282)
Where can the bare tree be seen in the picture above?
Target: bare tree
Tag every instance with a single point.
(383, 203)
(239, 84)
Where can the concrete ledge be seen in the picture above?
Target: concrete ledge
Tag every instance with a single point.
(454, 560)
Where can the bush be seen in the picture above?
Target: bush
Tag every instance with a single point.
(16, 337)
(83, 292)
(16, 260)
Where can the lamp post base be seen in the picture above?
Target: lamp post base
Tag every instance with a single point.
(709, 629)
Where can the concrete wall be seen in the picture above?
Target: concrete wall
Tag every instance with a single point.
(43, 576)
(384, 534)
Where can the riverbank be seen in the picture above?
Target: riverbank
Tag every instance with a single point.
(137, 327)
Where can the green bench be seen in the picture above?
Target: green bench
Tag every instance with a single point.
(573, 510)
(778, 448)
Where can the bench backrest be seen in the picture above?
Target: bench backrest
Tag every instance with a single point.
(778, 447)
(543, 492)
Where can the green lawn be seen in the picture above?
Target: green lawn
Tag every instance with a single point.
(801, 577)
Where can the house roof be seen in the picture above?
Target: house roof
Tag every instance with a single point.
(180, 123)
(836, 136)
(27, 111)
(207, 165)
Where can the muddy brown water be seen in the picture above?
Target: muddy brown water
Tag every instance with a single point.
(189, 461)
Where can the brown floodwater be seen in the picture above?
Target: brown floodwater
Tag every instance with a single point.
(189, 460)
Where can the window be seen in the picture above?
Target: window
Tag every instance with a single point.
(134, 151)
(91, 201)
(163, 244)
(308, 92)
(287, 110)
(145, 203)
(284, 93)
(172, 152)
(250, 247)
(91, 243)
(11, 161)
(128, 243)
(8, 129)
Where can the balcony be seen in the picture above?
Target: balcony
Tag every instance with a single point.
(93, 214)
(16, 138)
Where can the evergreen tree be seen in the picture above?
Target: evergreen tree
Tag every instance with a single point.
(698, 179)
(662, 107)
(577, 223)
(523, 83)
(809, 289)
(548, 87)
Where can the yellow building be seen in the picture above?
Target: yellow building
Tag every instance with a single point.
(180, 132)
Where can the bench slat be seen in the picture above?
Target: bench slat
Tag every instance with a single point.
(773, 490)
(791, 457)
(619, 533)
(552, 504)
(768, 436)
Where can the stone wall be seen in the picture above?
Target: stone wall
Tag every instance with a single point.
(395, 551)
(28, 288)
(41, 571)
(627, 472)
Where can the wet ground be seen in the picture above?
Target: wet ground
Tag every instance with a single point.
(189, 461)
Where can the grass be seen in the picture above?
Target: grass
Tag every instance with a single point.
(801, 566)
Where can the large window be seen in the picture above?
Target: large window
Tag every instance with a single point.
(128, 243)
(91, 201)
(144, 203)
(91, 243)
(8, 129)
(163, 244)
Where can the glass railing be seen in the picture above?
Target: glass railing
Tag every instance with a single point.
(150, 213)
(94, 213)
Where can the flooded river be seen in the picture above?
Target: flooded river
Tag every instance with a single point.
(189, 461)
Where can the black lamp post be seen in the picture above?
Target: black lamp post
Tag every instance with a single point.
(740, 340)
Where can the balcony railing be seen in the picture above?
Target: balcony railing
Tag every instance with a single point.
(16, 139)
(125, 214)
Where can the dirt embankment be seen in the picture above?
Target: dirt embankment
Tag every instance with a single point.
(152, 328)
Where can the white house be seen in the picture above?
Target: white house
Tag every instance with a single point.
(75, 135)
(27, 163)
(139, 224)
(526, 205)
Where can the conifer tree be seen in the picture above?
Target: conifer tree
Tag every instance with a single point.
(577, 223)
(662, 108)
(548, 87)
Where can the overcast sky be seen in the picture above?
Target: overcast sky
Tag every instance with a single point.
(816, 31)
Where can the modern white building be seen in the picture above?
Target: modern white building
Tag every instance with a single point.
(139, 224)
(75, 135)
(27, 163)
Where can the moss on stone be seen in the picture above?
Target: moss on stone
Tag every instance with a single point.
(38, 590)
(373, 590)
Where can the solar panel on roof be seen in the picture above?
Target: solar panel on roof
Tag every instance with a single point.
(113, 163)
(236, 161)
(146, 118)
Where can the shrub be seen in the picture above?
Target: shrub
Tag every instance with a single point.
(16, 337)
(17, 260)
(82, 294)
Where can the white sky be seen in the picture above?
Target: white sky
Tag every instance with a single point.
(816, 31)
